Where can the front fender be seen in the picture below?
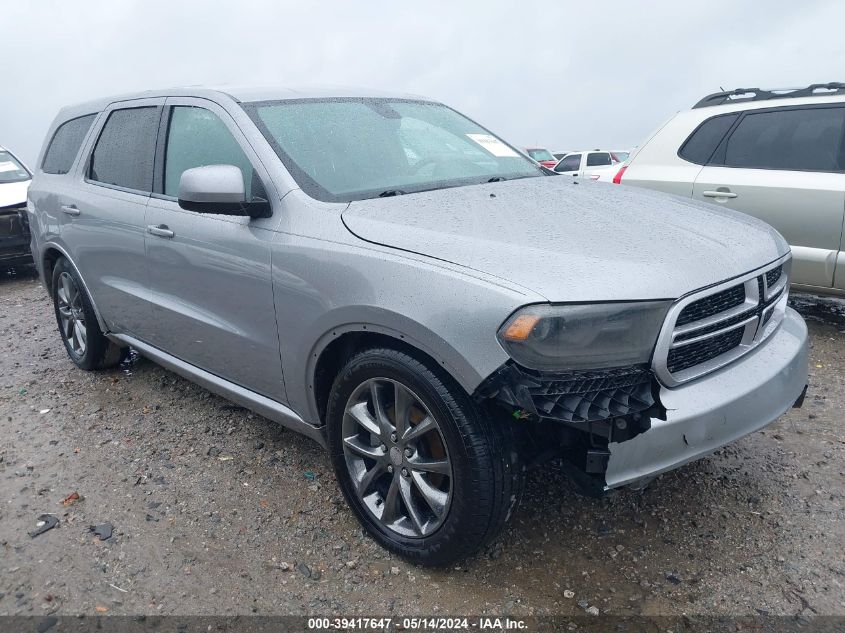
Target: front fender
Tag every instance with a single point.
(371, 319)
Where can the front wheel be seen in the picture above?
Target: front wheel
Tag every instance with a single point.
(428, 475)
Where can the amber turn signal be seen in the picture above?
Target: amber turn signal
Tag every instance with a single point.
(520, 328)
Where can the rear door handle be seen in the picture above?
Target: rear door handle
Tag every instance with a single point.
(718, 194)
(160, 229)
(71, 209)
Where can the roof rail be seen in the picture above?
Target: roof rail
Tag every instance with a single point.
(743, 95)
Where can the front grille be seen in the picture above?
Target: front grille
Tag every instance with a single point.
(708, 306)
(714, 329)
(773, 275)
(681, 358)
(708, 329)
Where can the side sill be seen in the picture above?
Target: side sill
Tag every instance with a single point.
(262, 405)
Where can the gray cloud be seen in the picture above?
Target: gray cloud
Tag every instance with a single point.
(565, 75)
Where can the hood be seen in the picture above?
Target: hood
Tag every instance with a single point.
(573, 240)
(12, 193)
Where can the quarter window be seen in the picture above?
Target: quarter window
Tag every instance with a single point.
(701, 144)
(197, 137)
(63, 148)
(802, 139)
(125, 150)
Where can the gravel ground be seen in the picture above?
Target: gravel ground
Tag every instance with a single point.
(215, 510)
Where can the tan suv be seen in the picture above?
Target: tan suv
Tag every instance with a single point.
(778, 155)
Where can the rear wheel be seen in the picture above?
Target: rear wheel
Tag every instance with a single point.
(85, 343)
(428, 475)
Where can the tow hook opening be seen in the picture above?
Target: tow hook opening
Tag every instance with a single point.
(574, 416)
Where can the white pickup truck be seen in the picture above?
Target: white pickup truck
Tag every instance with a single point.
(595, 164)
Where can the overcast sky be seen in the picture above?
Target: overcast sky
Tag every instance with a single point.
(561, 74)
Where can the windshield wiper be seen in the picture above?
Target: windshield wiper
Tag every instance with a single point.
(391, 192)
(497, 179)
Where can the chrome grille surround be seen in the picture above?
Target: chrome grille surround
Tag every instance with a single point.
(757, 317)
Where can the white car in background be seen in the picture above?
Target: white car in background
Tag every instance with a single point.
(14, 180)
(594, 164)
(14, 222)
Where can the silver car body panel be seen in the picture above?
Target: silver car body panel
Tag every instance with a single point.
(224, 257)
(246, 307)
(592, 242)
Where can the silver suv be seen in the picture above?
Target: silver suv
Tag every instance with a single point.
(391, 279)
(778, 155)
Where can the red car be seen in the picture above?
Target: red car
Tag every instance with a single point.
(542, 156)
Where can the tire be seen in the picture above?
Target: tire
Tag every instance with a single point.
(84, 341)
(485, 476)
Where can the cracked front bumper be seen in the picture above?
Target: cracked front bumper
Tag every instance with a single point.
(719, 408)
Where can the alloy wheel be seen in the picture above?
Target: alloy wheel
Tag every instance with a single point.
(71, 315)
(397, 458)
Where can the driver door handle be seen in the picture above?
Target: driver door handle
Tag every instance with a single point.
(71, 209)
(160, 230)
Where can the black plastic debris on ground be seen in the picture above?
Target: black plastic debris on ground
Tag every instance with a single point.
(45, 522)
(103, 531)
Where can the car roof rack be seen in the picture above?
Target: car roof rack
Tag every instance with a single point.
(743, 95)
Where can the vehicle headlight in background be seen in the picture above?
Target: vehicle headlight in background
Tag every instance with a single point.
(583, 336)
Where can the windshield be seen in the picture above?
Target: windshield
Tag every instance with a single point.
(620, 157)
(10, 169)
(345, 149)
(540, 154)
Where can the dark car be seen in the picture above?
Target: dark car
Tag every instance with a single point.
(14, 224)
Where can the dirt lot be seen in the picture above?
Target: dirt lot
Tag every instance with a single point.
(218, 511)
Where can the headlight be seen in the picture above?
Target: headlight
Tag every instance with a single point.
(583, 336)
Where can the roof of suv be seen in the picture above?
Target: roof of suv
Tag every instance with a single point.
(238, 93)
(747, 95)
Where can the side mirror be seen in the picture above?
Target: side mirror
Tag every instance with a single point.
(219, 189)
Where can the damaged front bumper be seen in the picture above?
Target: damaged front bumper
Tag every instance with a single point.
(615, 427)
(706, 414)
(14, 236)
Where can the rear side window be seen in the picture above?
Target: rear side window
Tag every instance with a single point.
(198, 137)
(65, 145)
(569, 163)
(598, 159)
(701, 144)
(805, 139)
(125, 150)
